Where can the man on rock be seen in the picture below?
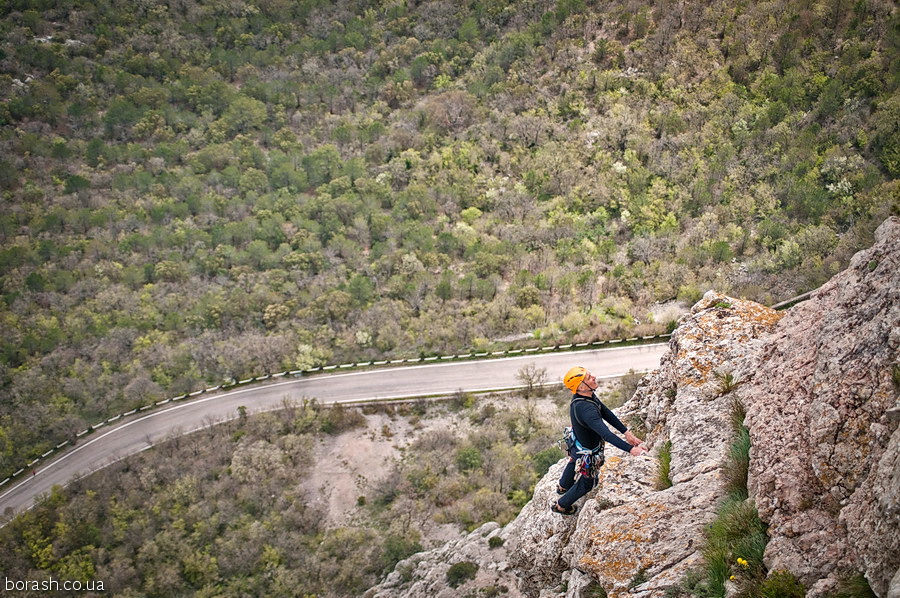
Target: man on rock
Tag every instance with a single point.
(589, 417)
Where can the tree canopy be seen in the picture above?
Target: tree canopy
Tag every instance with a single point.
(196, 191)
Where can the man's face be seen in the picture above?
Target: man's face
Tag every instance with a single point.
(589, 382)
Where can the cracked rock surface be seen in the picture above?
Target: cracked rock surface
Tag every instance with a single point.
(823, 412)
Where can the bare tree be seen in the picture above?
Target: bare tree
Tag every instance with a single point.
(534, 379)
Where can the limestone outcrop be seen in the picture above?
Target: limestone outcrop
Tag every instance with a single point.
(823, 412)
(630, 537)
(820, 386)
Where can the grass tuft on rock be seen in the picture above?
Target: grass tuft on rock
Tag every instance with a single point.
(664, 469)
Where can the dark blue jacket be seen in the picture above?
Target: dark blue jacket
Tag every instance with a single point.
(587, 415)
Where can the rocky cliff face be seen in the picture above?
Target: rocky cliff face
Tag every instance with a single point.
(823, 413)
(820, 385)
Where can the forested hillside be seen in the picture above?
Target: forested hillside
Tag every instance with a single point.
(194, 191)
(243, 515)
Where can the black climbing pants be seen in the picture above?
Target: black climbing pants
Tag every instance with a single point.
(574, 490)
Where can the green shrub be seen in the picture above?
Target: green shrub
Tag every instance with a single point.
(468, 458)
(461, 572)
(689, 294)
(397, 547)
(543, 460)
(76, 183)
(781, 584)
(495, 542)
(463, 400)
(337, 419)
(519, 498)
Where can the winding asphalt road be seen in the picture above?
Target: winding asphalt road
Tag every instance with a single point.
(139, 432)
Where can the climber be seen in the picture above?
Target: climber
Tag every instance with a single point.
(590, 432)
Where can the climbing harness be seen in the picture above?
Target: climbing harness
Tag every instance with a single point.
(589, 461)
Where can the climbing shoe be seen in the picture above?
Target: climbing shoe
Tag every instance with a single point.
(558, 509)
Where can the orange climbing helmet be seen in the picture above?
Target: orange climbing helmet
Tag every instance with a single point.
(572, 379)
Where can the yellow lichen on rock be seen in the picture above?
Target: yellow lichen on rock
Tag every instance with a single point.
(718, 317)
(615, 555)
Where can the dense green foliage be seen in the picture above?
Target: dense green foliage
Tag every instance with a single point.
(231, 511)
(219, 512)
(461, 572)
(195, 191)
